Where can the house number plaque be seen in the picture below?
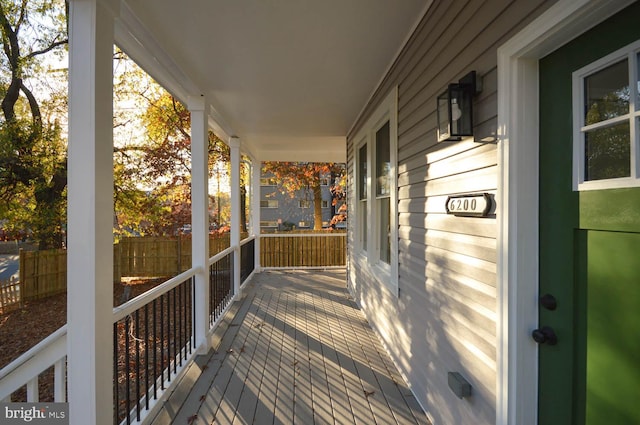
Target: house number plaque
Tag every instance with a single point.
(477, 205)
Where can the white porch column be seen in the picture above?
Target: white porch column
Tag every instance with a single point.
(90, 212)
(200, 216)
(256, 173)
(234, 145)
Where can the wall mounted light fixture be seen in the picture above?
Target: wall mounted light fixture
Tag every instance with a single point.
(455, 109)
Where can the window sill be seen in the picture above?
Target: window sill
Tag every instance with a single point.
(617, 183)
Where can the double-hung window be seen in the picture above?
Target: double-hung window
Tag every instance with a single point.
(376, 238)
(383, 191)
(606, 105)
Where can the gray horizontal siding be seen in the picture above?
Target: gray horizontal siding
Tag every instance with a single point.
(444, 318)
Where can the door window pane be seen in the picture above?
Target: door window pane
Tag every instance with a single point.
(607, 152)
(383, 161)
(607, 93)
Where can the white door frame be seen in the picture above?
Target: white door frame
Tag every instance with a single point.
(517, 198)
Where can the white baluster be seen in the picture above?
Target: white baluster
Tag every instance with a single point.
(33, 395)
(60, 381)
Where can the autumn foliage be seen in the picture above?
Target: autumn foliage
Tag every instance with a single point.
(293, 177)
(152, 169)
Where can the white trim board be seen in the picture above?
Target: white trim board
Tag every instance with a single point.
(517, 198)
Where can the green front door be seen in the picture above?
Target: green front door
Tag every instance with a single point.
(590, 235)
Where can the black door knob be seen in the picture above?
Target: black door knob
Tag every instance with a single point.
(549, 302)
(545, 335)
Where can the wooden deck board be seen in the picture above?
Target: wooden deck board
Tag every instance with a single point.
(302, 404)
(259, 375)
(322, 411)
(297, 351)
(240, 351)
(337, 391)
(287, 368)
(242, 398)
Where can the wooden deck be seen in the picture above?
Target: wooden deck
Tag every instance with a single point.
(296, 350)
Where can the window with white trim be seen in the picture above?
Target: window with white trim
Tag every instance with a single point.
(376, 192)
(363, 213)
(269, 203)
(324, 204)
(304, 203)
(606, 104)
(383, 192)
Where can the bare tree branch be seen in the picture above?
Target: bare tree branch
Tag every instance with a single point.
(48, 48)
(180, 127)
(23, 13)
(10, 39)
(33, 105)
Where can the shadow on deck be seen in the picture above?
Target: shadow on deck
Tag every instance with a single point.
(295, 350)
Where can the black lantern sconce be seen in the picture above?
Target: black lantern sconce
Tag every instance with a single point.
(455, 109)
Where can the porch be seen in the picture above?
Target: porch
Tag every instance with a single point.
(357, 82)
(281, 345)
(295, 349)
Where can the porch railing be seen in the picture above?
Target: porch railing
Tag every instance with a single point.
(220, 284)
(153, 338)
(25, 370)
(247, 258)
(154, 333)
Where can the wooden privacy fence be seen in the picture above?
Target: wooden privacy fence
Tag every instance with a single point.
(303, 250)
(159, 256)
(151, 256)
(42, 273)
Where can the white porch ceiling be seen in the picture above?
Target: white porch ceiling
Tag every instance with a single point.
(288, 77)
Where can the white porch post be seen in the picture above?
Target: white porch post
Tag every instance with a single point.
(200, 216)
(234, 145)
(90, 212)
(256, 173)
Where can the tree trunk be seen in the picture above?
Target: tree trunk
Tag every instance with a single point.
(333, 203)
(50, 210)
(23, 166)
(317, 206)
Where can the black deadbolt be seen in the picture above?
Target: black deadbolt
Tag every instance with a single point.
(545, 335)
(548, 301)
